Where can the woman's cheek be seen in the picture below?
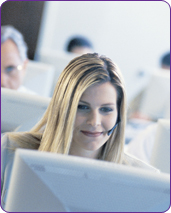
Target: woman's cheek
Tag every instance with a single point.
(79, 120)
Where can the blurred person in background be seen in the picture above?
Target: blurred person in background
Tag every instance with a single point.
(134, 107)
(14, 59)
(79, 45)
(165, 61)
(142, 145)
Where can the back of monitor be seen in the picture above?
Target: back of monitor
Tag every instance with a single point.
(39, 78)
(58, 59)
(160, 157)
(48, 182)
(156, 100)
(20, 110)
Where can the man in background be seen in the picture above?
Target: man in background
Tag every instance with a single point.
(13, 59)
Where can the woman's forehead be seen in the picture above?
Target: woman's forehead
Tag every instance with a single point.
(101, 93)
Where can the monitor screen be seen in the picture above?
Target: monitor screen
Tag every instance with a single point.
(20, 110)
(160, 157)
(50, 182)
(156, 101)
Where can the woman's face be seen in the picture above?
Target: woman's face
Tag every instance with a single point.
(96, 115)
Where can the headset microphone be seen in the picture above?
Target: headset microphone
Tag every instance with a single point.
(110, 131)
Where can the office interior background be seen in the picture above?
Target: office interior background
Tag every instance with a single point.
(134, 34)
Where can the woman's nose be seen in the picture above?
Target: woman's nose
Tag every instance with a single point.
(94, 119)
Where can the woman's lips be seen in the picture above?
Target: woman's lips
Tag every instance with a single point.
(92, 134)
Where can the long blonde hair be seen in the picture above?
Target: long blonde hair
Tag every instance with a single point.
(54, 132)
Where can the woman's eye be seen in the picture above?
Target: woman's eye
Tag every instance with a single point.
(83, 107)
(106, 109)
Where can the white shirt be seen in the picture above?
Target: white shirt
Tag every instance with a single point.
(26, 90)
(141, 146)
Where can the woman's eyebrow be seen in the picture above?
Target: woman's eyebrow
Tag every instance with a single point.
(108, 104)
(84, 102)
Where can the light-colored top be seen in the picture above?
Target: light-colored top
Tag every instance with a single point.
(142, 145)
(26, 90)
(7, 157)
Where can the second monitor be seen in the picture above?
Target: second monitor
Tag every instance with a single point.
(20, 110)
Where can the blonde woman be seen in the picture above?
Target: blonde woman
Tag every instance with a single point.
(86, 117)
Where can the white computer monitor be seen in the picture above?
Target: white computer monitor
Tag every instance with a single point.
(156, 101)
(160, 157)
(58, 59)
(39, 78)
(50, 182)
(21, 110)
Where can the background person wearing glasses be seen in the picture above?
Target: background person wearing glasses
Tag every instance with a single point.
(13, 59)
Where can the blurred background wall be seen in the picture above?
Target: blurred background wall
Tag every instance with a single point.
(134, 34)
